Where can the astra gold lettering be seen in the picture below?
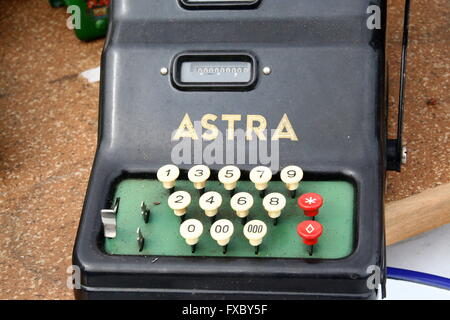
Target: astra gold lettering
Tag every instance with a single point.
(256, 126)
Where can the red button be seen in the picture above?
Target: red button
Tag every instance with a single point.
(310, 203)
(310, 231)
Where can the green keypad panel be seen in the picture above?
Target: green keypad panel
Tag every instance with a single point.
(162, 235)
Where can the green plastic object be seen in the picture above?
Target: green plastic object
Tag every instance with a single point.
(94, 17)
(162, 237)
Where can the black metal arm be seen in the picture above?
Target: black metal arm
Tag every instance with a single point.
(396, 152)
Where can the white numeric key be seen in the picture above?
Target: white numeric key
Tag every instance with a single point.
(222, 231)
(291, 176)
(210, 202)
(242, 202)
(255, 231)
(229, 176)
(274, 203)
(261, 176)
(168, 175)
(179, 201)
(191, 230)
(198, 175)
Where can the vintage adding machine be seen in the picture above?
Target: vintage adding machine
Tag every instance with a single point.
(165, 217)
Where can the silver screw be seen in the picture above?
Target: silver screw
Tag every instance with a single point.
(267, 71)
(404, 155)
(164, 71)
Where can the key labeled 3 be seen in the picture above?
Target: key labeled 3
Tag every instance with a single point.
(198, 175)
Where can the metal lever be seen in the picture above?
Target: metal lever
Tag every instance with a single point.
(396, 152)
(109, 220)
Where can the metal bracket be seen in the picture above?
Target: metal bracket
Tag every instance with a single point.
(109, 220)
(396, 151)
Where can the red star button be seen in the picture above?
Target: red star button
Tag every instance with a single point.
(310, 203)
(310, 231)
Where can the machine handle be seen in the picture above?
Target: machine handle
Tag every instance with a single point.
(396, 151)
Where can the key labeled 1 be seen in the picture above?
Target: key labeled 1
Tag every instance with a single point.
(168, 176)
